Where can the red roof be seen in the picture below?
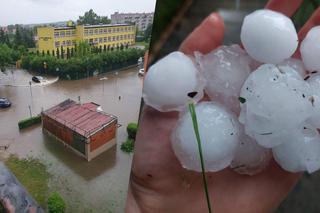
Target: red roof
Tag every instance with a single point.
(83, 119)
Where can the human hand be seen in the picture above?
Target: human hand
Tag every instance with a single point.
(158, 182)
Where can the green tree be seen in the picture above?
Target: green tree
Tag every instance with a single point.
(43, 53)
(68, 53)
(56, 203)
(104, 48)
(53, 53)
(62, 53)
(48, 52)
(5, 56)
(58, 53)
(90, 17)
(72, 52)
(147, 33)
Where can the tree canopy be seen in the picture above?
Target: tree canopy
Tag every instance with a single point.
(90, 17)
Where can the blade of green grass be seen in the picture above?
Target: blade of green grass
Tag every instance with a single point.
(196, 130)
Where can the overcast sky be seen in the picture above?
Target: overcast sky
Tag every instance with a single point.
(44, 11)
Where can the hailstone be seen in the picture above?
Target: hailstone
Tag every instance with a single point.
(269, 36)
(225, 70)
(169, 81)
(314, 81)
(310, 50)
(301, 152)
(219, 131)
(250, 158)
(274, 105)
(293, 67)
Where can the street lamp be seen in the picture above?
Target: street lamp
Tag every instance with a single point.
(103, 79)
(30, 88)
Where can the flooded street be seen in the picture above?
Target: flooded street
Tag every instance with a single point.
(97, 186)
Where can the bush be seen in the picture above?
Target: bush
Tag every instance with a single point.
(128, 146)
(56, 203)
(132, 130)
(29, 122)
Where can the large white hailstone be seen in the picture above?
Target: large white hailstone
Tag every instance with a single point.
(310, 50)
(219, 131)
(250, 158)
(225, 70)
(293, 67)
(268, 36)
(273, 105)
(301, 152)
(314, 82)
(168, 82)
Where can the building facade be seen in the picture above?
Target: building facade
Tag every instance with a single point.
(142, 20)
(112, 35)
(83, 128)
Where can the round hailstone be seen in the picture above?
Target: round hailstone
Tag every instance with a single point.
(310, 50)
(219, 132)
(273, 104)
(314, 82)
(293, 67)
(225, 70)
(168, 82)
(250, 158)
(268, 36)
(301, 152)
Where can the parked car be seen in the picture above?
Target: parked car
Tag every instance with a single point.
(141, 72)
(4, 103)
(37, 79)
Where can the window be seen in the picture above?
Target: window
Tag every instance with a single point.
(96, 31)
(100, 40)
(105, 39)
(73, 42)
(121, 37)
(90, 32)
(109, 30)
(100, 31)
(73, 32)
(95, 40)
(105, 30)
(56, 34)
(62, 34)
(118, 29)
(57, 43)
(125, 37)
(113, 38)
(68, 43)
(86, 32)
(91, 41)
(68, 33)
(113, 30)
(117, 38)
(109, 38)
(63, 43)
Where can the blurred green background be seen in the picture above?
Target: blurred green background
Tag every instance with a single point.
(304, 197)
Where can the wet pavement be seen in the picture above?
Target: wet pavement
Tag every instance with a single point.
(98, 186)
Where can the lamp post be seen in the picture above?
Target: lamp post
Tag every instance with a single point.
(30, 88)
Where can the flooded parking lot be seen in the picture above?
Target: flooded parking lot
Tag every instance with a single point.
(98, 186)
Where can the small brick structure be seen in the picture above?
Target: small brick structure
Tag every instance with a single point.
(82, 127)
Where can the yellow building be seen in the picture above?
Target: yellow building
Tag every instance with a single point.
(51, 38)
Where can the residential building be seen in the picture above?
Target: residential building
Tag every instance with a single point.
(112, 35)
(83, 128)
(142, 20)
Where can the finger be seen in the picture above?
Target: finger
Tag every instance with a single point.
(287, 7)
(206, 37)
(313, 21)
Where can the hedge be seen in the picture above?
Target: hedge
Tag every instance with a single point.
(81, 66)
(127, 146)
(56, 203)
(29, 122)
(132, 130)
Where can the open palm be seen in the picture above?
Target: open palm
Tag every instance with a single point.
(158, 183)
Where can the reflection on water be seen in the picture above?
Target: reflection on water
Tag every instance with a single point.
(99, 185)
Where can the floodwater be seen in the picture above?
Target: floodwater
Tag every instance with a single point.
(96, 186)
